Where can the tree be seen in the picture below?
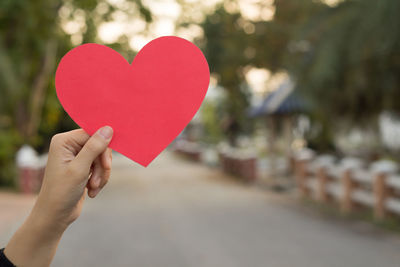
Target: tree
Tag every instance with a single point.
(352, 65)
(344, 58)
(223, 38)
(32, 41)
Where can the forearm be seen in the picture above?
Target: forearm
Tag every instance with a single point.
(72, 157)
(34, 244)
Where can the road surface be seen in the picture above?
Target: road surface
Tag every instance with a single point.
(181, 214)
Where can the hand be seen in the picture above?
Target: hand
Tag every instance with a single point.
(77, 163)
(72, 157)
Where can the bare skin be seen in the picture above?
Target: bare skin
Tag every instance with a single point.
(77, 165)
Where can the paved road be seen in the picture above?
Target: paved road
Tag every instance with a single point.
(176, 213)
(13, 209)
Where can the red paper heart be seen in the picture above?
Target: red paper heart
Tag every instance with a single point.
(147, 103)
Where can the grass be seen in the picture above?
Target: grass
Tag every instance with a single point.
(331, 210)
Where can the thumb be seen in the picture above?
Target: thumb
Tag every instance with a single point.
(96, 145)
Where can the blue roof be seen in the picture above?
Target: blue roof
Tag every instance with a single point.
(284, 100)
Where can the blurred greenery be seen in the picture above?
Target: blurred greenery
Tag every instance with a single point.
(345, 58)
(32, 41)
(210, 114)
(222, 40)
(352, 64)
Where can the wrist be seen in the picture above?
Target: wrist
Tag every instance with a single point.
(40, 221)
(35, 242)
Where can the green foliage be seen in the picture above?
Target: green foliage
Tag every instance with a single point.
(223, 38)
(344, 58)
(273, 39)
(10, 140)
(32, 41)
(352, 66)
(210, 119)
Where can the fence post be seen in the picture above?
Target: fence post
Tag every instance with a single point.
(348, 186)
(323, 163)
(248, 168)
(292, 163)
(301, 176)
(303, 157)
(348, 165)
(322, 182)
(381, 169)
(380, 194)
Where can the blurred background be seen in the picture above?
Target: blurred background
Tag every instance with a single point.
(303, 104)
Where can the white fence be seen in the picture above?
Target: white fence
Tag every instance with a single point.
(350, 182)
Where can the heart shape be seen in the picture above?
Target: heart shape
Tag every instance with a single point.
(147, 103)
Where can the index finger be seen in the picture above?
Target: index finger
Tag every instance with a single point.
(73, 140)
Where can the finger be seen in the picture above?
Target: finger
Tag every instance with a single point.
(78, 135)
(96, 145)
(92, 193)
(101, 161)
(90, 175)
(74, 139)
(106, 158)
(104, 177)
(95, 177)
(101, 166)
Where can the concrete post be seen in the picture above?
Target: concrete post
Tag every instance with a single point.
(348, 186)
(322, 179)
(381, 169)
(27, 162)
(380, 195)
(302, 177)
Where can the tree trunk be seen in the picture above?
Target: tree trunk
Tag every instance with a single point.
(39, 89)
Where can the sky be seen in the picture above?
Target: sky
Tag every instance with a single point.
(166, 13)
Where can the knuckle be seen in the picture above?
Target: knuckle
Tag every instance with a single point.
(56, 139)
